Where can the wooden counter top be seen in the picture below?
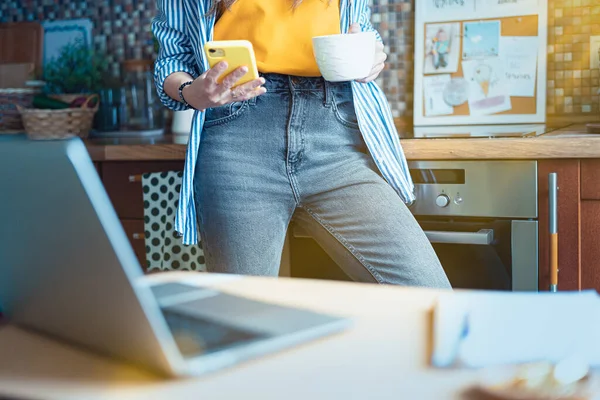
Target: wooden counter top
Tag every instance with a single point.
(142, 151)
(572, 141)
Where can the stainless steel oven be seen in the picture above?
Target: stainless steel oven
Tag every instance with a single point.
(480, 216)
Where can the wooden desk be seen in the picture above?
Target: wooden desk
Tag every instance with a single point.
(383, 356)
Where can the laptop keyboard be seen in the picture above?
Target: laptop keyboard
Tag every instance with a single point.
(195, 335)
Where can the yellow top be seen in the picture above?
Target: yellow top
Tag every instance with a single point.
(281, 36)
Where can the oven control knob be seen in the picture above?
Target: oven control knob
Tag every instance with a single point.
(442, 200)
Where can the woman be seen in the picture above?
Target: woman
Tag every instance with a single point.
(288, 144)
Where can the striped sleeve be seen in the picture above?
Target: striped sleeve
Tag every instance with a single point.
(364, 20)
(175, 54)
(381, 137)
(375, 118)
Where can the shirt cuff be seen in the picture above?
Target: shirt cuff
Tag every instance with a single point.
(162, 70)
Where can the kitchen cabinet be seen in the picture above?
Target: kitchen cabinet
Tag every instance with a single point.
(134, 229)
(590, 224)
(578, 223)
(578, 216)
(590, 244)
(124, 187)
(122, 182)
(22, 43)
(97, 166)
(590, 180)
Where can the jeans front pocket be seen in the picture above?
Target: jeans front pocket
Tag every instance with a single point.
(343, 106)
(224, 114)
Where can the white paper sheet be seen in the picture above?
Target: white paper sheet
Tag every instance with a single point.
(485, 329)
(488, 92)
(433, 90)
(503, 7)
(442, 48)
(520, 64)
(448, 10)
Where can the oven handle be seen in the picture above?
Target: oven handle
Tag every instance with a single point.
(482, 237)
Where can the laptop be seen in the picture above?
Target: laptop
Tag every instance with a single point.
(67, 270)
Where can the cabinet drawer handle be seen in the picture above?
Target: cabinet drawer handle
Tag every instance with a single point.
(135, 178)
(138, 236)
(553, 229)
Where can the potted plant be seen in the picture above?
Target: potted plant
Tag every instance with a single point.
(72, 81)
(77, 70)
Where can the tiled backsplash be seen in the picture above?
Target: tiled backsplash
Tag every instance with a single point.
(394, 19)
(572, 86)
(122, 29)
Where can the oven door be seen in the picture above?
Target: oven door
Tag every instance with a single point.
(492, 254)
(485, 254)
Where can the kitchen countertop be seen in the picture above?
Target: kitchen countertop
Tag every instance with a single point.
(566, 141)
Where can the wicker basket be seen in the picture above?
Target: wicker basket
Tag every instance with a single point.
(10, 118)
(60, 124)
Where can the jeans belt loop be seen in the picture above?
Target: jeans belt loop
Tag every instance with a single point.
(328, 94)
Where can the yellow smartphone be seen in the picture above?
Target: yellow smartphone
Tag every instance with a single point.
(237, 53)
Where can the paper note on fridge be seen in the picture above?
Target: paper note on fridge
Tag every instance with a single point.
(501, 7)
(433, 91)
(448, 10)
(485, 329)
(488, 93)
(520, 64)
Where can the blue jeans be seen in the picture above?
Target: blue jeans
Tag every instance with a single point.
(296, 152)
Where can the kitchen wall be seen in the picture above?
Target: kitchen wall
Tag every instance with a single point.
(572, 86)
(122, 28)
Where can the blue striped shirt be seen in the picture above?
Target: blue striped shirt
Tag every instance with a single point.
(182, 27)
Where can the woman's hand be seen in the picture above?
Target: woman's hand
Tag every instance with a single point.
(205, 92)
(380, 58)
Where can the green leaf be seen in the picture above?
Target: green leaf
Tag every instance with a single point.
(77, 69)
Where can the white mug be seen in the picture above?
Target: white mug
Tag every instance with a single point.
(345, 57)
(182, 125)
(182, 122)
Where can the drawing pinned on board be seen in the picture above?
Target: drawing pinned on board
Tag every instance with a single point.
(488, 91)
(433, 90)
(481, 39)
(483, 75)
(442, 51)
(520, 64)
(456, 92)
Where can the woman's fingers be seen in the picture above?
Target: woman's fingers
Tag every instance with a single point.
(378, 66)
(380, 58)
(254, 93)
(248, 90)
(213, 74)
(373, 74)
(205, 92)
(354, 28)
(230, 80)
